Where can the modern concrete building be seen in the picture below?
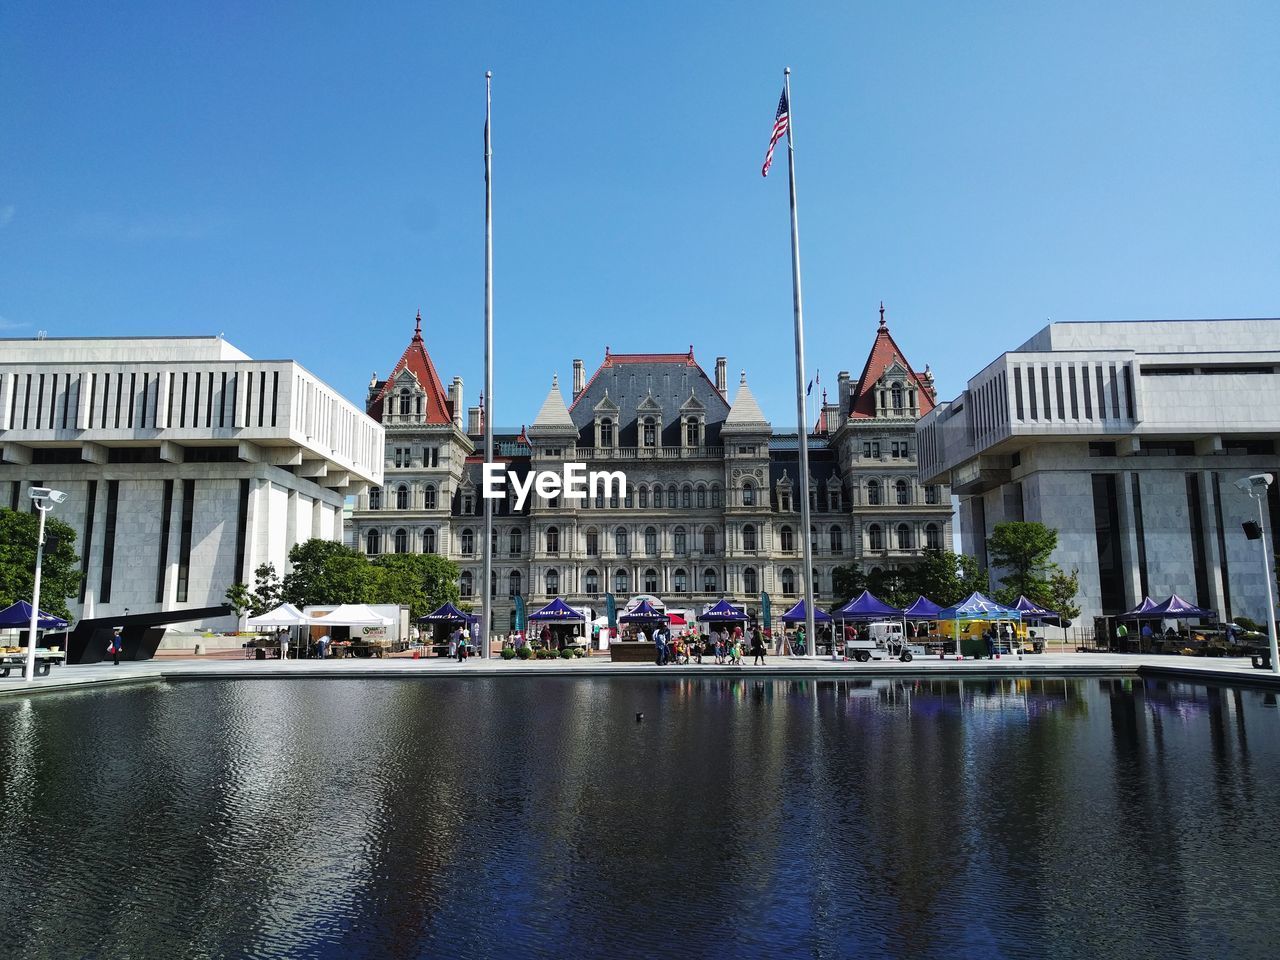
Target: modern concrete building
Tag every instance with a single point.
(712, 506)
(187, 463)
(1126, 437)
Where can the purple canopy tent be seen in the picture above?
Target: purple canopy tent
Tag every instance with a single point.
(644, 612)
(923, 609)
(977, 607)
(1141, 612)
(797, 615)
(1175, 608)
(1032, 612)
(19, 615)
(448, 613)
(723, 612)
(867, 606)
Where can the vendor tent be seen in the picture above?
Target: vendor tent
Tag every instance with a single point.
(922, 609)
(285, 615)
(722, 611)
(977, 607)
(448, 613)
(1175, 608)
(1032, 612)
(644, 612)
(557, 609)
(797, 615)
(351, 615)
(1141, 612)
(867, 606)
(18, 616)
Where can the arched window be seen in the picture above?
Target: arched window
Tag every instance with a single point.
(375, 498)
(650, 541)
(932, 536)
(748, 495)
(466, 584)
(468, 542)
(788, 582)
(904, 537)
(621, 582)
(402, 497)
(931, 493)
(606, 432)
(553, 539)
(513, 584)
(493, 583)
(515, 543)
(620, 541)
(651, 581)
(404, 403)
(788, 539)
(401, 540)
(644, 497)
(649, 433)
(553, 582)
(593, 543)
(686, 497)
(681, 542)
(701, 499)
(708, 540)
(657, 497)
(591, 583)
(691, 432)
(680, 582)
(902, 492)
(750, 583)
(715, 495)
(749, 537)
(813, 539)
(873, 492)
(373, 542)
(672, 496)
(837, 539)
(896, 391)
(709, 580)
(429, 540)
(429, 496)
(875, 537)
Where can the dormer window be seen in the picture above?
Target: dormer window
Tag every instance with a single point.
(605, 433)
(649, 432)
(896, 392)
(404, 403)
(691, 432)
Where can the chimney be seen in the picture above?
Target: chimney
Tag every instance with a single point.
(455, 401)
(473, 421)
(722, 373)
(843, 388)
(579, 378)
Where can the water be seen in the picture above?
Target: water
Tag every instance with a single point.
(512, 817)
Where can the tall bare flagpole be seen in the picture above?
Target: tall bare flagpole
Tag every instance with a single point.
(486, 607)
(810, 640)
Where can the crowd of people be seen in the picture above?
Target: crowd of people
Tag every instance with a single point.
(726, 646)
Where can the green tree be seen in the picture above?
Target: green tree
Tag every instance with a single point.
(60, 579)
(266, 590)
(946, 577)
(325, 571)
(895, 587)
(239, 598)
(847, 582)
(423, 581)
(1061, 594)
(1023, 549)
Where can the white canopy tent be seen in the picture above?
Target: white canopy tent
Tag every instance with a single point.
(350, 615)
(285, 615)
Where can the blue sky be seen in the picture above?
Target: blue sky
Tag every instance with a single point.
(304, 177)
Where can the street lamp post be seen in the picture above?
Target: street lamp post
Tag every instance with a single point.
(1256, 487)
(44, 499)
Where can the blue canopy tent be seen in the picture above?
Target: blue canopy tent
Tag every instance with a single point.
(867, 606)
(1141, 612)
(922, 609)
(448, 613)
(722, 611)
(644, 612)
(797, 615)
(1032, 612)
(1175, 608)
(977, 607)
(18, 615)
(557, 616)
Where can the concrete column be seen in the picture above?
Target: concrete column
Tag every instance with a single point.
(1130, 572)
(1212, 555)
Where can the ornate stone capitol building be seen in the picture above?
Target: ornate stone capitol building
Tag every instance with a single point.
(711, 507)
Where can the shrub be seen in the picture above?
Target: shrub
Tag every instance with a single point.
(566, 653)
(524, 653)
(508, 653)
(579, 652)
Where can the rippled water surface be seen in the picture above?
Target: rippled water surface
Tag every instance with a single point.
(514, 817)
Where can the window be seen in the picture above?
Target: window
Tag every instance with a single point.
(468, 541)
(686, 497)
(657, 497)
(553, 582)
(931, 493)
(833, 497)
(904, 537)
(896, 392)
(701, 497)
(651, 581)
(644, 497)
(593, 543)
(788, 582)
(553, 539)
(932, 537)
(493, 583)
(599, 501)
(513, 584)
(515, 544)
(749, 581)
(621, 582)
(680, 581)
(813, 539)
(866, 448)
(788, 540)
(649, 433)
(591, 583)
(493, 542)
(691, 432)
(375, 498)
(401, 540)
(468, 504)
(430, 457)
(749, 537)
(613, 502)
(1102, 448)
(650, 541)
(606, 432)
(875, 537)
(466, 584)
(708, 540)
(404, 403)
(784, 502)
(429, 496)
(715, 496)
(620, 541)
(671, 496)
(373, 543)
(873, 492)
(902, 492)
(837, 539)
(748, 495)
(429, 540)
(402, 497)
(681, 542)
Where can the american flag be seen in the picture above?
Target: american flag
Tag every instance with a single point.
(780, 123)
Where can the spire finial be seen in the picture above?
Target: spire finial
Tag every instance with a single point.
(742, 379)
(882, 314)
(417, 326)
(555, 381)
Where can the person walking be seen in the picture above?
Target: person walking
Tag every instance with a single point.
(757, 647)
(462, 646)
(114, 646)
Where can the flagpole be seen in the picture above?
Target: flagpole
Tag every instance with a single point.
(810, 640)
(486, 619)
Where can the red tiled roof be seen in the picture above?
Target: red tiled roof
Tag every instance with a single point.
(884, 351)
(418, 362)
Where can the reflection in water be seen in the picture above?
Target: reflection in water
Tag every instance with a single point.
(743, 817)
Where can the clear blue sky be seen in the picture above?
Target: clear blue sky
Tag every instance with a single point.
(305, 176)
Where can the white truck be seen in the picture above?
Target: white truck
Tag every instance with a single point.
(884, 640)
